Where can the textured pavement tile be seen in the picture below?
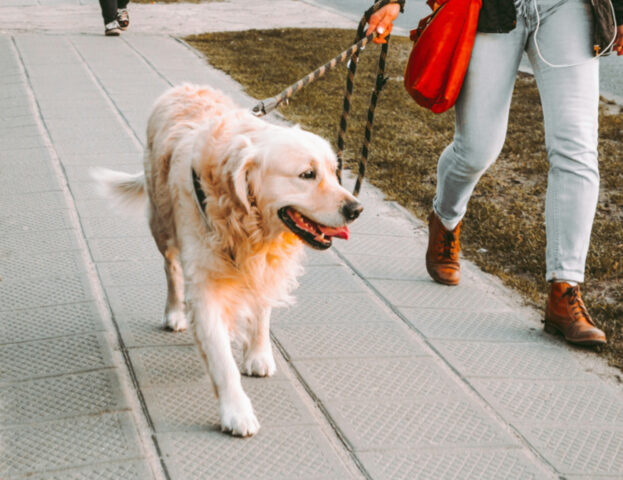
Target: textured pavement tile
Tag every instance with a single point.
(148, 300)
(562, 402)
(424, 421)
(347, 340)
(54, 200)
(432, 295)
(171, 366)
(385, 244)
(57, 397)
(376, 378)
(392, 268)
(42, 292)
(46, 265)
(115, 226)
(472, 464)
(522, 360)
(328, 279)
(29, 244)
(194, 406)
(123, 249)
(581, 450)
(36, 221)
(47, 322)
(148, 331)
(333, 308)
(273, 454)
(29, 184)
(129, 274)
(67, 443)
(53, 356)
(133, 470)
(466, 325)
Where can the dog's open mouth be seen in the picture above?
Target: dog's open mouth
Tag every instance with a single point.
(314, 234)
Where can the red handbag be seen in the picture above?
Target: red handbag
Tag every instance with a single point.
(443, 43)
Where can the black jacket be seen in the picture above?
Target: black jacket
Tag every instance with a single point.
(498, 16)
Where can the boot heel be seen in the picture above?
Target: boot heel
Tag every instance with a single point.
(551, 329)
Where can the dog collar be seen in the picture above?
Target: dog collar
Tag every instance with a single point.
(199, 195)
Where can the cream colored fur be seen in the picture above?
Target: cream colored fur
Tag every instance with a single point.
(231, 271)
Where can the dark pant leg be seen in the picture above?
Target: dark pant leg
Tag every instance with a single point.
(122, 3)
(109, 10)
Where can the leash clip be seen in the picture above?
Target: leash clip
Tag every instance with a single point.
(264, 107)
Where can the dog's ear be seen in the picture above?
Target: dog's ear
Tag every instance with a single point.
(243, 156)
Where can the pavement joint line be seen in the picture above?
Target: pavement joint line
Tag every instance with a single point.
(147, 62)
(142, 422)
(462, 380)
(325, 412)
(125, 123)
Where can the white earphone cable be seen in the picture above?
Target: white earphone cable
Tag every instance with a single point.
(538, 50)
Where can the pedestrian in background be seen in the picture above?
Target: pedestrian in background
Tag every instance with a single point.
(557, 37)
(116, 16)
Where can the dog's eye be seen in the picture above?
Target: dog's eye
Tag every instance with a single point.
(308, 174)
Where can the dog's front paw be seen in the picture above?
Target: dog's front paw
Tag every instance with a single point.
(259, 364)
(175, 321)
(238, 418)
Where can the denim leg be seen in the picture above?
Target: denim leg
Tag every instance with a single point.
(570, 99)
(481, 119)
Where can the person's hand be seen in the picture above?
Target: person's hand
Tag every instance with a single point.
(618, 43)
(382, 22)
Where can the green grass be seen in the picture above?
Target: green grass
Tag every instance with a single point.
(503, 231)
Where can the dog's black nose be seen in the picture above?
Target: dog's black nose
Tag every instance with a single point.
(351, 210)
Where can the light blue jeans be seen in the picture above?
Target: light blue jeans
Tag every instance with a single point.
(570, 99)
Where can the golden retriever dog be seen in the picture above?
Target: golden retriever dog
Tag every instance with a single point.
(231, 201)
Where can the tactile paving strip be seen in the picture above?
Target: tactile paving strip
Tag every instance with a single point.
(52, 356)
(148, 331)
(195, 407)
(123, 249)
(431, 295)
(378, 378)
(54, 200)
(347, 340)
(490, 326)
(57, 397)
(68, 443)
(273, 454)
(580, 451)
(47, 322)
(475, 464)
(418, 422)
(553, 402)
(130, 274)
(34, 293)
(111, 227)
(146, 301)
(335, 308)
(523, 360)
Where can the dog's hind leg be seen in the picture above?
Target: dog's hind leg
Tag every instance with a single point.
(258, 356)
(212, 337)
(174, 314)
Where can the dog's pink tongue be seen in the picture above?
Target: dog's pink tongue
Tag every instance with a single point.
(340, 232)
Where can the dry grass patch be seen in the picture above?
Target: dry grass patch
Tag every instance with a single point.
(503, 230)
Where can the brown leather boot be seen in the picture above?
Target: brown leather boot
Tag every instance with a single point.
(566, 315)
(442, 256)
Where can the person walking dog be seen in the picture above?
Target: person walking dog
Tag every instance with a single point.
(557, 37)
(116, 16)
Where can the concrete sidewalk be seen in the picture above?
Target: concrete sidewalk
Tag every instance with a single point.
(382, 373)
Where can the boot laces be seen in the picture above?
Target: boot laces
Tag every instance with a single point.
(576, 303)
(449, 240)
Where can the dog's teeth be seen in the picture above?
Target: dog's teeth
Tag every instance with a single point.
(322, 236)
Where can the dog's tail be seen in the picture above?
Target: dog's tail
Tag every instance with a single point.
(125, 189)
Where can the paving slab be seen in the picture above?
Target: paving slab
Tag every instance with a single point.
(382, 374)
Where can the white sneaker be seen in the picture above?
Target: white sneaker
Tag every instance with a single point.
(112, 29)
(123, 17)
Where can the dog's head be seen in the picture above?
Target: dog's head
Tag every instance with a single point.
(290, 175)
